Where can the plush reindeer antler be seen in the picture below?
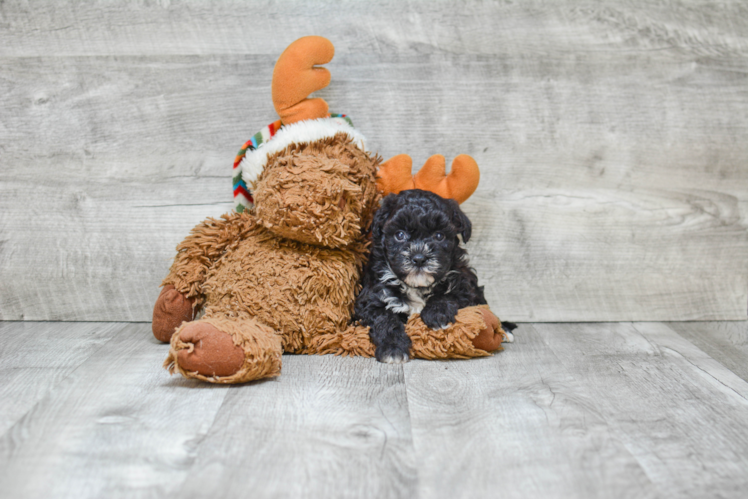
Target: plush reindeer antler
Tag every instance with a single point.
(295, 77)
(394, 176)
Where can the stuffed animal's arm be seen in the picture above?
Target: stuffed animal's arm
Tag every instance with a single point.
(476, 332)
(207, 242)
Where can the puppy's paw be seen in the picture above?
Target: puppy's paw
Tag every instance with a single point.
(392, 354)
(439, 316)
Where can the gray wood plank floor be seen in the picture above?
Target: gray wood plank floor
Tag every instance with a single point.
(568, 410)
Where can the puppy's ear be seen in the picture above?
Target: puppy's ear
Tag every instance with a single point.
(460, 221)
(381, 216)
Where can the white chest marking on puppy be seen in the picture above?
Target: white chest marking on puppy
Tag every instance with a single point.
(393, 303)
(415, 298)
(414, 302)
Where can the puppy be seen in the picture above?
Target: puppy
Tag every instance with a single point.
(417, 265)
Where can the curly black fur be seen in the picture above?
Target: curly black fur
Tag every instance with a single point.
(417, 265)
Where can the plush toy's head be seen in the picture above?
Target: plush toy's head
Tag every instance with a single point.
(308, 175)
(322, 192)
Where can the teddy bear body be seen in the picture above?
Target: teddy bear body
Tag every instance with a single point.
(297, 289)
(282, 276)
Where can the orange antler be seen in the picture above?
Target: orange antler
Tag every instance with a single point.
(296, 76)
(394, 176)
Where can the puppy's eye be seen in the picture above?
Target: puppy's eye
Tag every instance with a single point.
(401, 235)
(439, 236)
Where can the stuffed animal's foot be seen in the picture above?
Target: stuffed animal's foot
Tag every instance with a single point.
(208, 351)
(489, 338)
(225, 351)
(171, 310)
(475, 332)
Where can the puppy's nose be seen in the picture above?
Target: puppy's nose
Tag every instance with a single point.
(418, 259)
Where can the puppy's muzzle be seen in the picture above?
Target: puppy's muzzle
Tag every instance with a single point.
(419, 266)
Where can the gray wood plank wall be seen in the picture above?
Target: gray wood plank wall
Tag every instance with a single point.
(611, 137)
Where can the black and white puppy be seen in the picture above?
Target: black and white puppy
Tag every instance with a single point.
(417, 265)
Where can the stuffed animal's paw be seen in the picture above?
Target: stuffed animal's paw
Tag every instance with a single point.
(171, 310)
(439, 315)
(490, 338)
(209, 351)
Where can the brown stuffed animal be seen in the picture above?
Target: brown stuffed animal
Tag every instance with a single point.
(280, 273)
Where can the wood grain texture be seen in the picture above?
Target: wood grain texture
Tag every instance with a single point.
(329, 427)
(118, 426)
(518, 424)
(568, 410)
(601, 409)
(36, 357)
(677, 411)
(236, 27)
(726, 342)
(610, 138)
